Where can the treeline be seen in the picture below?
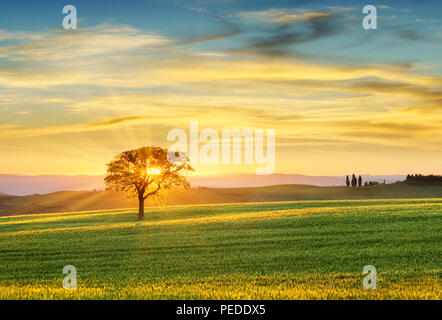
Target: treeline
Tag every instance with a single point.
(416, 179)
(428, 180)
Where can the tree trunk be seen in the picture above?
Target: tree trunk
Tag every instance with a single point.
(140, 208)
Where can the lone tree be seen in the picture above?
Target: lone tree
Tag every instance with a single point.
(347, 182)
(360, 181)
(144, 172)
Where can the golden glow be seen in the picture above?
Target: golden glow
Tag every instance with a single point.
(153, 171)
(331, 118)
(241, 286)
(221, 218)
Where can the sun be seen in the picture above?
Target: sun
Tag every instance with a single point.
(153, 171)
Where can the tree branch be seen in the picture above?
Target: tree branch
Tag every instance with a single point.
(153, 192)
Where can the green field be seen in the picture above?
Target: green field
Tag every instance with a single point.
(267, 250)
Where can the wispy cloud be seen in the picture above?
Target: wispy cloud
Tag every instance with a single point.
(58, 45)
(289, 28)
(283, 16)
(18, 132)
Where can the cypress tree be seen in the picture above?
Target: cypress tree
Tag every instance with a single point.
(353, 181)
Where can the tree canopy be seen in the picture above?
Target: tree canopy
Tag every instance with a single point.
(145, 172)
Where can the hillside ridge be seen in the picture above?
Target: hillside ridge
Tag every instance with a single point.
(69, 201)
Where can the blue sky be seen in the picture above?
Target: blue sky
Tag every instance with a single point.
(419, 20)
(135, 69)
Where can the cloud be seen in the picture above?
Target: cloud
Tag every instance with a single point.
(211, 54)
(80, 43)
(409, 128)
(402, 88)
(406, 133)
(7, 35)
(290, 28)
(282, 16)
(230, 30)
(17, 132)
(410, 35)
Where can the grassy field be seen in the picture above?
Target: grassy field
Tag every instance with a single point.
(283, 250)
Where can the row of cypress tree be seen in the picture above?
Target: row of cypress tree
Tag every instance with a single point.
(355, 182)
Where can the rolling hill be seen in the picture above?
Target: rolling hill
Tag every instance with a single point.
(68, 201)
(21, 185)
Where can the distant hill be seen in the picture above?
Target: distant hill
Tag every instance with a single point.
(252, 180)
(27, 185)
(99, 200)
(21, 185)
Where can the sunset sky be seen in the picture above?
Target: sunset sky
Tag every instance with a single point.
(341, 99)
